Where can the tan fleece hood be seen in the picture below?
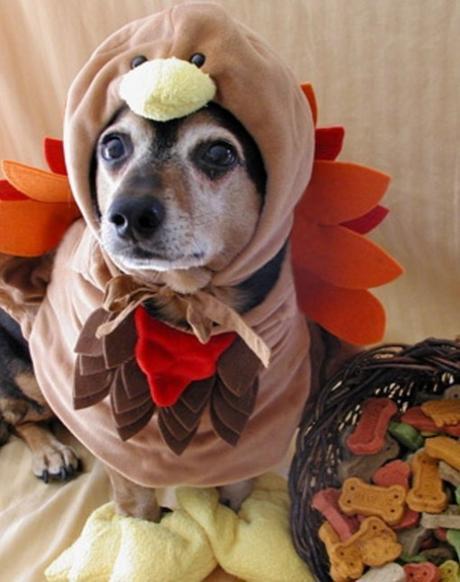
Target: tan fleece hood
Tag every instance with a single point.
(254, 85)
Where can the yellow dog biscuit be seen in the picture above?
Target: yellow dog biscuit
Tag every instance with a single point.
(330, 539)
(445, 449)
(427, 493)
(385, 502)
(374, 544)
(443, 411)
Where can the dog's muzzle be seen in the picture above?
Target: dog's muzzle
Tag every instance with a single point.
(136, 219)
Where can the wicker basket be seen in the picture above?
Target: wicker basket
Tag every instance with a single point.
(399, 372)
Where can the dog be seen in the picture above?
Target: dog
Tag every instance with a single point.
(24, 411)
(181, 198)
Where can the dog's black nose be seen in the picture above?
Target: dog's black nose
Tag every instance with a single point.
(137, 217)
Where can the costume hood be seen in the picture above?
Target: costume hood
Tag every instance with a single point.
(249, 80)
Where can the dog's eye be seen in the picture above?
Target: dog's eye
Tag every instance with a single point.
(219, 154)
(113, 148)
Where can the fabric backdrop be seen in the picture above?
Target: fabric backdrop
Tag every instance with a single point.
(389, 71)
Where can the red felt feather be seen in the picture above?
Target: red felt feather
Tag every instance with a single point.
(54, 155)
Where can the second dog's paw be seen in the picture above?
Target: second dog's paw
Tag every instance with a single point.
(55, 462)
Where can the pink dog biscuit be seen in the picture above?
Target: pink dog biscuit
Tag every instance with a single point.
(395, 473)
(419, 420)
(425, 572)
(369, 434)
(445, 449)
(360, 498)
(326, 502)
(443, 411)
(427, 493)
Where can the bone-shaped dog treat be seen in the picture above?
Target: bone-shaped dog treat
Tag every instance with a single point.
(427, 493)
(450, 571)
(443, 411)
(330, 539)
(374, 544)
(411, 539)
(406, 434)
(360, 498)
(389, 573)
(448, 473)
(364, 466)
(394, 473)
(418, 419)
(445, 449)
(438, 555)
(450, 519)
(369, 435)
(422, 572)
(326, 502)
(452, 392)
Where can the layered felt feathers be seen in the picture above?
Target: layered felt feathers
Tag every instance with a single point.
(36, 207)
(334, 264)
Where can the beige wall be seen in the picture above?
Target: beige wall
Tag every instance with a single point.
(389, 70)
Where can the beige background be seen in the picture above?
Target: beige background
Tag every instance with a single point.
(389, 70)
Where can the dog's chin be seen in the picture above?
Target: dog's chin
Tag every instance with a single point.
(183, 274)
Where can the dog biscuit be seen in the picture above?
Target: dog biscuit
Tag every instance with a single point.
(409, 519)
(450, 571)
(418, 419)
(443, 411)
(389, 573)
(330, 539)
(449, 519)
(364, 466)
(360, 498)
(453, 537)
(394, 473)
(369, 435)
(426, 572)
(374, 544)
(438, 555)
(457, 495)
(427, 493)
(445, 449)
(406, 434)
(449, 474)
(326, 502)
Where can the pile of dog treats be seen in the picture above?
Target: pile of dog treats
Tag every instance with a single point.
(397, 515)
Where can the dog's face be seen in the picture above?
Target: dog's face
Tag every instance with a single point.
(177, 195)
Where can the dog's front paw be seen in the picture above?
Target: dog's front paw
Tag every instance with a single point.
(55, 462)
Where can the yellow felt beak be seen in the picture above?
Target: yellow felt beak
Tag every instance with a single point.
(164, 89)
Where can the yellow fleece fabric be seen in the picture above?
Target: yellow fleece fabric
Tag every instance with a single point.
(254, 545)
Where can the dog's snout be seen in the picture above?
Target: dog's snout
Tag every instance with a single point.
(136, 218)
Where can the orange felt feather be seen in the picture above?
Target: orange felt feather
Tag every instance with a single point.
(29, 228)
(354, 315)
(340, 191)
(341, 257)
(38, 184)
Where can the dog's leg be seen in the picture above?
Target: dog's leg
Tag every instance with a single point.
(234, 494)
(50, 458)
(132, 499)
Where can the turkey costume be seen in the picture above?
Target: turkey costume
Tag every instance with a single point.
(94, 346)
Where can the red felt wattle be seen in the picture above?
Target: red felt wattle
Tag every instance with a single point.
(328, 142)
(54, 155)
(172, 359)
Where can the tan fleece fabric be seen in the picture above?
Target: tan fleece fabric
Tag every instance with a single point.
(260, 91)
